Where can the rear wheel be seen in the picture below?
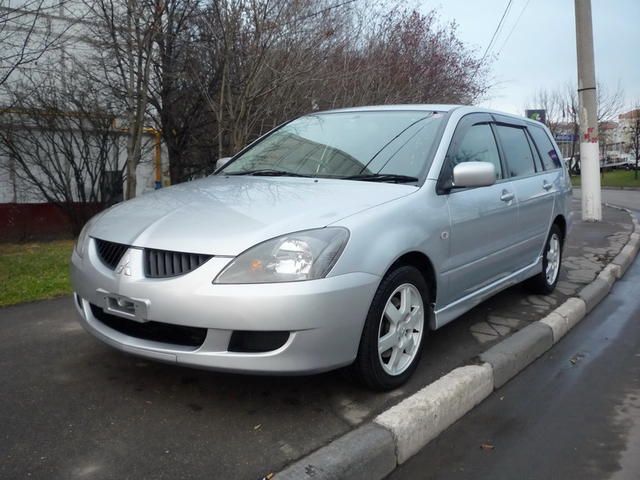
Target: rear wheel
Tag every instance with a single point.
(545, 282)
(394, 330)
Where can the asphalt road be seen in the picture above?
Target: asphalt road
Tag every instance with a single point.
(71, 407)
(624, 198)
(573, 414)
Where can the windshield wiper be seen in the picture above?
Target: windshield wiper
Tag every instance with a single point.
(382, 177)
(267, 172)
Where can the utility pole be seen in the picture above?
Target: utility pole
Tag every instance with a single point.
(587, 115)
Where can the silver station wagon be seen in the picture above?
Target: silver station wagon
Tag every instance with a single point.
(338, 239)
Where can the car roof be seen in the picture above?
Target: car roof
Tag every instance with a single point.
(399, 107)
(430, 107)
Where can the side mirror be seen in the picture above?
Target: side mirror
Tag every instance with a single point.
(474, 174)
(222, 162)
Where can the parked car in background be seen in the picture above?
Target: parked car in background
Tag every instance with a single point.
(339, 239)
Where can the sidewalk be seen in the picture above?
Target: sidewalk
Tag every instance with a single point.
(589, 248)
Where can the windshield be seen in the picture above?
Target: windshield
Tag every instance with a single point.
(385, 145)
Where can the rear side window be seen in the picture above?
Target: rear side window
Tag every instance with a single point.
(478, 145)
(550, 158)
(516, 149)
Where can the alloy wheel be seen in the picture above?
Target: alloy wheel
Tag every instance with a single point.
(552, 257)
(400, 330)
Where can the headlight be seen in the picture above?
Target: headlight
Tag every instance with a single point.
(83, 238)
(298, 256)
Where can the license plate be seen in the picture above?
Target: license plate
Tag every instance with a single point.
(126, 307)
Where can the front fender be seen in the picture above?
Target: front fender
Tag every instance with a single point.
(382, 234)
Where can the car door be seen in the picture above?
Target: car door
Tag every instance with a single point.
(533, 187)
(553, 178)
(482, 219)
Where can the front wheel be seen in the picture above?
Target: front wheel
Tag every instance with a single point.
(394, 330)
(545, 282)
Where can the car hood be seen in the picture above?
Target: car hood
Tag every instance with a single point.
(224, 216)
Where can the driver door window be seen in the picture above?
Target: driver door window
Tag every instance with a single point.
(478, 145)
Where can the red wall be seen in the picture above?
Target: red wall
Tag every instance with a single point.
(35, 221)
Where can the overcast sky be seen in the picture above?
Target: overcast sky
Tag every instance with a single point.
(541, 50)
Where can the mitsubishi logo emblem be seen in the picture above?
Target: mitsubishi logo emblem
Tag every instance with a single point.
(124, 268)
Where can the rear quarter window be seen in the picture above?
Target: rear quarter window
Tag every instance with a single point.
(550, 158)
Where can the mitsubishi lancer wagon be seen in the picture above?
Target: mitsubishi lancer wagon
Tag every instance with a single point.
(339, 239)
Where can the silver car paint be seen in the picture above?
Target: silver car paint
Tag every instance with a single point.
(318, 312)
(224, 216)
(474, 174)
(477, 244)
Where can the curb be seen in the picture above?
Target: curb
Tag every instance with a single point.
(633, 189)
(435, 407)
(593, 293)
(367, 452)
(373, 451)
(514, 353)
(565, 317)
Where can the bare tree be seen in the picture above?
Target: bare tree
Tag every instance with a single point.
(257, 64)
(125, 32)
(557, 106)
(610, 102)
(25, 35)
(264, 62)
(178, 99)
(258, 50)
(212, 75)
(61, 144)
(561, 105)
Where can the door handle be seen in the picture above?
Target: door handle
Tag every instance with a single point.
(507, 196)
(546, 185)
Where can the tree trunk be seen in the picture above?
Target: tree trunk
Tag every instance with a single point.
(131, 180)
(132, 161)
(176, 170)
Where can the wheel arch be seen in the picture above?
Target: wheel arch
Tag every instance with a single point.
(562, 224)
(423, 263)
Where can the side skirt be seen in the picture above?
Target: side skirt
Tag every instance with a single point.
(452, 311)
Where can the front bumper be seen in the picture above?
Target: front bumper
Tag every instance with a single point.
(324, 317)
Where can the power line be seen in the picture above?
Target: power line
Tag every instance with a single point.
(514, 27)
(495, 33)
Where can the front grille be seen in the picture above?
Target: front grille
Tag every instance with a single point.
(153, 331)
(110, 253)
(164, 264)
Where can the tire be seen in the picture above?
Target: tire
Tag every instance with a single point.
(543, 283)
(404, 329)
